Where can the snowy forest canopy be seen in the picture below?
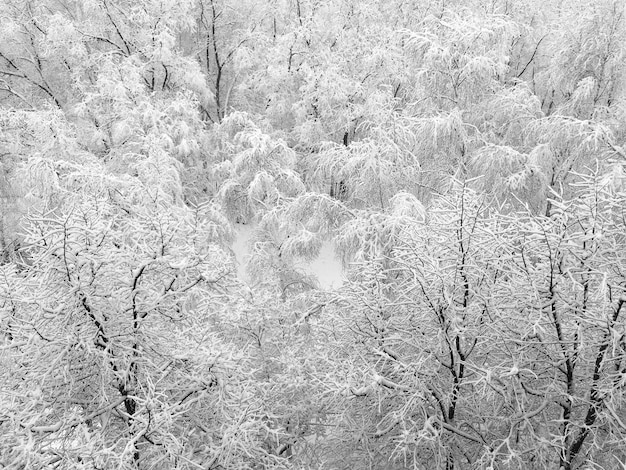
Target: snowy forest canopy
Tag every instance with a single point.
(464, 158)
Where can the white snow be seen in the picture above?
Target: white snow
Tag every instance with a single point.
(327, 267)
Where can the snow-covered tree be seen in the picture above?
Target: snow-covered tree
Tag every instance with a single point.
(491, 340)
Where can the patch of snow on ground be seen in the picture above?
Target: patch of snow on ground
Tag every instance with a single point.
(327, 267)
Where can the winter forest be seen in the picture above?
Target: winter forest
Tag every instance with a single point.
(464, 160)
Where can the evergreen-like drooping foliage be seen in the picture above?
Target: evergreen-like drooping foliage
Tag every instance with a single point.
(466, 160)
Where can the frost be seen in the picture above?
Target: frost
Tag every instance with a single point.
(405, 204)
